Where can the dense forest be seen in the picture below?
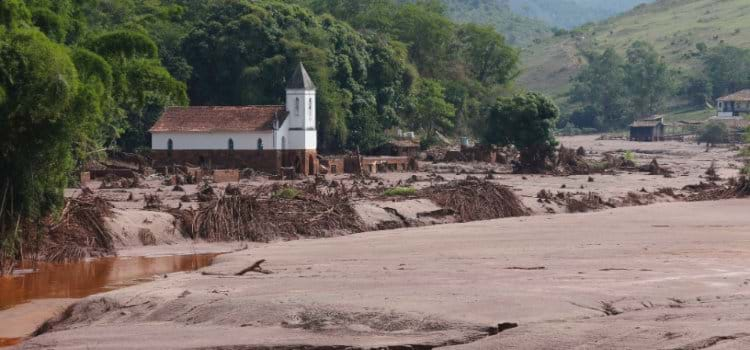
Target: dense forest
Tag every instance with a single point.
(78, 77)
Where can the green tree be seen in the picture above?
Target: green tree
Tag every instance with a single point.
(242, 53)
(728, 69)
(648, 79)
(526, 121)
(698, 91)
(600, 86)
(428, 34)
(488, 58)
(141, 86)
(45, 111)
(712, 134)
(431, 112)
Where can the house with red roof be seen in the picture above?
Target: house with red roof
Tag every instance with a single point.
(264, 138)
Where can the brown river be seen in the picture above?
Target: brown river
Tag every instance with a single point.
(78, 280)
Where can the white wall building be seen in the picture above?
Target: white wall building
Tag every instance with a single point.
(200, 134)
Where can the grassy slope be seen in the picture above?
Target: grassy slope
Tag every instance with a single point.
(518, 30)
(674, 27)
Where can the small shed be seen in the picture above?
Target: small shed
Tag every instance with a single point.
(649, 130)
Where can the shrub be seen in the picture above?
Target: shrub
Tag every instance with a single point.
(629, 156)
(286, 193)
(400, 192)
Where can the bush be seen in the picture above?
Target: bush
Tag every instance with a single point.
(714, 133)
(629, 156)
(400, 192)
(286, 193)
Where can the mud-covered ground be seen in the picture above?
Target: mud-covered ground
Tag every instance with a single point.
(555, 275)
(662, 277)
(688, 163)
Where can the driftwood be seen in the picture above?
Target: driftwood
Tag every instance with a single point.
(255, 267)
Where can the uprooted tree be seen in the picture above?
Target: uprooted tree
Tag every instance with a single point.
(526, 121)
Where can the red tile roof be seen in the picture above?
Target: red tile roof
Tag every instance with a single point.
(743, 95)
(219, 118)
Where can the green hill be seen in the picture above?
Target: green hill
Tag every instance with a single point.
(518, 30)
(674, 27)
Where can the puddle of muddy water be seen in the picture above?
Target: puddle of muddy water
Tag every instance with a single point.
(5, 342)
(78, 280)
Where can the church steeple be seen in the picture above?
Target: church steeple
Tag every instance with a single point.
(300, 100)
(300, 80)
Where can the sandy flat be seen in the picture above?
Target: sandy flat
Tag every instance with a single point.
(675, 274)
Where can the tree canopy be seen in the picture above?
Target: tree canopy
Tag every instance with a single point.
(612, 91)
(526, 121)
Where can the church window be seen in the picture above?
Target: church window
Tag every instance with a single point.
(260, 144)
(230, 145)
(296, 106)
(170, 147)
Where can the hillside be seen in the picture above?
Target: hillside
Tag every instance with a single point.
(571, 13)
(519, 30)
(674, 27)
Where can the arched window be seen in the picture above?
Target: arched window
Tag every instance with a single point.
(283, 142)
(309, 106)
(170, 146)
(296, 106)
(230, 145)
(260, 144)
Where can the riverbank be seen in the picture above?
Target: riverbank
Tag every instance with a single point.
(38, 293)
(653, 276)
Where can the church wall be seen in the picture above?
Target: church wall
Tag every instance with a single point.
(303, 139)
(212, 141)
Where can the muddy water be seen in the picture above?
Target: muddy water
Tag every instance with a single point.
(77, 280)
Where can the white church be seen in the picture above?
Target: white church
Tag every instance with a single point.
(263, 138)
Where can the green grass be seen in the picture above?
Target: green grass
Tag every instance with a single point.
(689, 114)
(400, 192)
(674, 27)
(286, 193)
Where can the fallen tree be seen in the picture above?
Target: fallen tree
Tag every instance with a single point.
(80, 232)
(735, 188)
(258, 217)
(473, 199)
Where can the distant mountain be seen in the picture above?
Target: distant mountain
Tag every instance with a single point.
(570, 13)
(524, 21)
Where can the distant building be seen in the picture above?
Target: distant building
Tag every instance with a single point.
(263, 138)
(734, 105)
(649, 129)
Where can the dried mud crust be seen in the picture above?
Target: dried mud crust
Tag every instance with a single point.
(325, 320)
